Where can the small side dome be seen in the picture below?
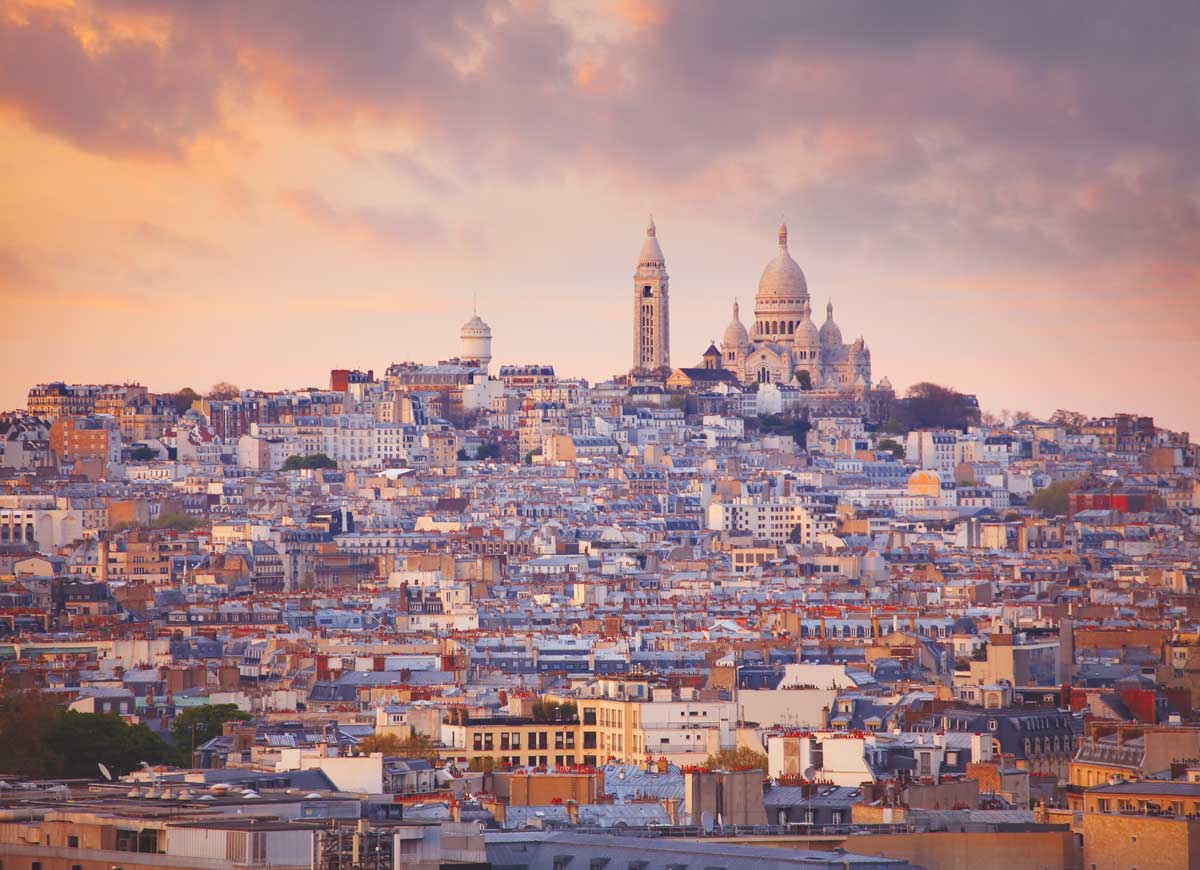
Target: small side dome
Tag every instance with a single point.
(831, 335)
(806, 334)
(736, 335)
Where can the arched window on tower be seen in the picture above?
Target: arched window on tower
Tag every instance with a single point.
(647, 292)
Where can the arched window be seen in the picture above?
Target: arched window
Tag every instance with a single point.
(647, 292)
(791, 327)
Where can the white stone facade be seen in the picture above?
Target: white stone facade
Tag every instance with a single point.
(475, 341)
(651, 308)
(785, 342)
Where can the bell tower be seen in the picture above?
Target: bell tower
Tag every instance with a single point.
(651, 308)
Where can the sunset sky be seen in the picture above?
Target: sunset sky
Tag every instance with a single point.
(1001, 197)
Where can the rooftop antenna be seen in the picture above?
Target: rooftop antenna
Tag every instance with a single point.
(154, 777)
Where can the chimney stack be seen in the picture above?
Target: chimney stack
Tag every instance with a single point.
(102, 560)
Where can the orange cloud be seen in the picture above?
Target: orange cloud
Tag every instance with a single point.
(641, 13)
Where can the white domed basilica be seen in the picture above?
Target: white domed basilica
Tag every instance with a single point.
(785, 346)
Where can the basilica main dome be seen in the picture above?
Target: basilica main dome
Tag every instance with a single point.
(782, 279)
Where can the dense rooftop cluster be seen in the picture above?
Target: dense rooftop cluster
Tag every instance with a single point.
(472, 616)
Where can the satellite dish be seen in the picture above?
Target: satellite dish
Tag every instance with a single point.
(810, 772)
(706, 821)
(105, 772)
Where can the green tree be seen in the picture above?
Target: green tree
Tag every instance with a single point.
(932, 406)
(224, 390)
(1072, 421)
(86, 740)
(785, 424)
(26, 721)
(312, 460)
(42, 739)
(488, 450)
(417, 746)
(547, 710)
(892, 446)
(1054, 500)
(742, 758)
(805, 379)
(176, 520)
(142, 453)
(184, 399)
(200, 724)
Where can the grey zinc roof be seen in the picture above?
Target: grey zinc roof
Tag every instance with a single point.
(826, 796)
(520, 817)
(615, 815)
(628, 781)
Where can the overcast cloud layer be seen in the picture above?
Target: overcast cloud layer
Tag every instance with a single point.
(1004, 197)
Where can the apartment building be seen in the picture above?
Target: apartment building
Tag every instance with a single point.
(631, 718)
(783, 520)
(75, 438)
(516, 741)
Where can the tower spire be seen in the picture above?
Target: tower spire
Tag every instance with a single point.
(651, 317)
